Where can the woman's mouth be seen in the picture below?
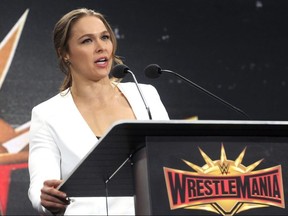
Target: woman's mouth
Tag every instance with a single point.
(101, 61)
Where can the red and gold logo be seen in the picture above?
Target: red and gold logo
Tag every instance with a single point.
(224, 186)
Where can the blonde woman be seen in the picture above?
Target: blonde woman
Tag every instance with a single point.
(65, 127)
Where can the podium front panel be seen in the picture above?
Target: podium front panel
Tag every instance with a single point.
(226, 175)
(190, 167)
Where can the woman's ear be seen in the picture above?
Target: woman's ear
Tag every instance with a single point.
(66, 59)
(64, 56)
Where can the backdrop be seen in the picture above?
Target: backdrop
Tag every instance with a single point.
(236, 49)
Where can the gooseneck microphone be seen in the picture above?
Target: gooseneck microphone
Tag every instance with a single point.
(154, 71)
(120, 71)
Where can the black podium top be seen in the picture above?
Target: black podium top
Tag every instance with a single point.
(124, 138)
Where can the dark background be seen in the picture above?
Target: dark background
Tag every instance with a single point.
(235, 49)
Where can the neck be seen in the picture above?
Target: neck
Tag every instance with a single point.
(100, 91)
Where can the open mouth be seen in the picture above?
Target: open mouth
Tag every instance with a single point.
(101, 61)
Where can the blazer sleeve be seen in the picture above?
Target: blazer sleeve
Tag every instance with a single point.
(44, 157)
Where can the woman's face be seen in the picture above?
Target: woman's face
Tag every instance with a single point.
(90, 49)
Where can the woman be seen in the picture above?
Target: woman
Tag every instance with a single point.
(65, 127)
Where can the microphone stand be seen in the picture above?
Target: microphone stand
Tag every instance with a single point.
(119, 71)
(208, 93)
(135, 80)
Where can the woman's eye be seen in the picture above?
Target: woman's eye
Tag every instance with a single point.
(106, 37)
(88, 40)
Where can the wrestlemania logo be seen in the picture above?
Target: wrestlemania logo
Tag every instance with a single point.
(224, 186)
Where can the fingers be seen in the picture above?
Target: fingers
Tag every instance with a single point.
(50, 188)
(52, 183)
(53, 207)
(53, 199)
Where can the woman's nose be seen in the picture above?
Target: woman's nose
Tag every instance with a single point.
(100, 46)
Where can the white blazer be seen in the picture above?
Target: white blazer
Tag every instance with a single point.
(60, 138)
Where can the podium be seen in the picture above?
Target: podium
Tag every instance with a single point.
(181, 167)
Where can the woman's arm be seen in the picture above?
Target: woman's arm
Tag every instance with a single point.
(44, 167)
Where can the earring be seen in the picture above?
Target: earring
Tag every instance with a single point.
(67, 62)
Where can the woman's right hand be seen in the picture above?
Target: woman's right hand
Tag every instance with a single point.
(52, 199)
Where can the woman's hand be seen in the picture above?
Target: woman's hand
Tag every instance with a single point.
(52, 199)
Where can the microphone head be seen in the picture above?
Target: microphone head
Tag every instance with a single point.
(119, 71)
(153, 71)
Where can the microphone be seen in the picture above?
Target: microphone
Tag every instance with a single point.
(154, 71)
(120, 71)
